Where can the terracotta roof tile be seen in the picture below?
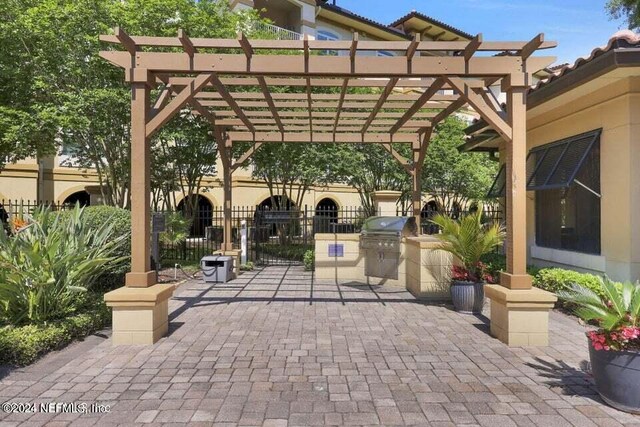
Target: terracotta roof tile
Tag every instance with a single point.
(621, 39)
(416, 14)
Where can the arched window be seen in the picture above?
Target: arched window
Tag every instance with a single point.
(80, 197)
(325, 215)
(202, 215)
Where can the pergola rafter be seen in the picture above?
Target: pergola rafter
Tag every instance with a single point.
(206, 74)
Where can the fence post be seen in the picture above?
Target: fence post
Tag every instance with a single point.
(243, 241)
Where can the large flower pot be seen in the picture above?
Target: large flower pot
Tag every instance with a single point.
(617, 377)
(467, 297)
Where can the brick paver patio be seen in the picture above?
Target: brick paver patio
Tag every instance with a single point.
(274, 348)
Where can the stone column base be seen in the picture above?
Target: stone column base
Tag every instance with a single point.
(140, 315)
(520, 317)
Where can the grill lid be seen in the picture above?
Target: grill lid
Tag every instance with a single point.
(390, 225)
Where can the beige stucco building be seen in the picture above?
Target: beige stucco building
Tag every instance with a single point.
(50, 180)
(583, 140)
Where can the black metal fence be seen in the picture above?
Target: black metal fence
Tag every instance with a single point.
(273, 236)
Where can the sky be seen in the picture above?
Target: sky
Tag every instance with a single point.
(577, 25)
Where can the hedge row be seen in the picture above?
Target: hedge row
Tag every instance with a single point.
(549, 279)
(20, 346)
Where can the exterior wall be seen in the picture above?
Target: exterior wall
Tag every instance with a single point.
(614, 108)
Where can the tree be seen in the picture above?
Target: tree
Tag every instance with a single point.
(627, 9)
(371, 168)
(290, 170)
(95, 130)
(54, 87)
(451, 177)
(186, 152)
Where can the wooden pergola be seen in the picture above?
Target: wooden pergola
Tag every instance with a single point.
(232, 82)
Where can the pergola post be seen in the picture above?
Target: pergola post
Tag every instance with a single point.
(141, 275)
(519, 312)
(516, 276)
(140, 308)
(228, 194)
(416, 185)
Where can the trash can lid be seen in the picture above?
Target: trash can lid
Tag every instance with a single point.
(216, 258)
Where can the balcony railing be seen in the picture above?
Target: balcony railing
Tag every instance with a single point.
(277, 32)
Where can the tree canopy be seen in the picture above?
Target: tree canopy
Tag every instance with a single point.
(627, 9)
(55, 89)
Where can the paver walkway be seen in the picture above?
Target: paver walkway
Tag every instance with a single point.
(272, 348)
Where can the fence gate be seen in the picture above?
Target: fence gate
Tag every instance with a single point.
(282, 236)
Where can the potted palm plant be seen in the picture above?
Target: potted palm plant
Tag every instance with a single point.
(614, 348)
(468, 239)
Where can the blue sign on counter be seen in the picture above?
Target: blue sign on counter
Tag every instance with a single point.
(336, 250)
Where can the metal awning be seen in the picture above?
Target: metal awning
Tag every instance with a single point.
(552, 166)
(499, 184)
(556, 165)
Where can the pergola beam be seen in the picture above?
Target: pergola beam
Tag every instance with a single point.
(485, 110)
(393, 97)
(186, 42)
(245, 156)
(343, 93)
(323, 122)
(318, 137)
(327, 66)
(222, 90)
(383, 98)
(322, 114)
(418, 104)
(410, 83)
(343, 45)
(125, 40)
(177, 103)
(403, 161)
(324, 104)
(472, 47)
(528, 49)
(272, 107)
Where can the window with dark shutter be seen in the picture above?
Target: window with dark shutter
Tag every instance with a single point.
(567, 200)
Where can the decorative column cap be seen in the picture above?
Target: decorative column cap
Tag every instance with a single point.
(387, 195)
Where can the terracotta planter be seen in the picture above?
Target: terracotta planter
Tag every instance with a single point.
(617, 377)
(467, 297)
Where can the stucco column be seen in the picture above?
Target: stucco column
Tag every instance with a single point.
(516, 276)
(141, 308)
(519, 312)
(141, 275)
(386, 202)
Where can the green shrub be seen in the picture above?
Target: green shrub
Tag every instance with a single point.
(292, 252)
(177, 229)
(47, 267)
(496, 262)
(309, 260)
(113, 275)
(558, 279)
(248, 266)
(22, 345)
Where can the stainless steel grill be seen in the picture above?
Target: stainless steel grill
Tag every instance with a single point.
(380, 240)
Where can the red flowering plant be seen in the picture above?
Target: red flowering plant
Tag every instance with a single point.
(480, 274)
(617, 314)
